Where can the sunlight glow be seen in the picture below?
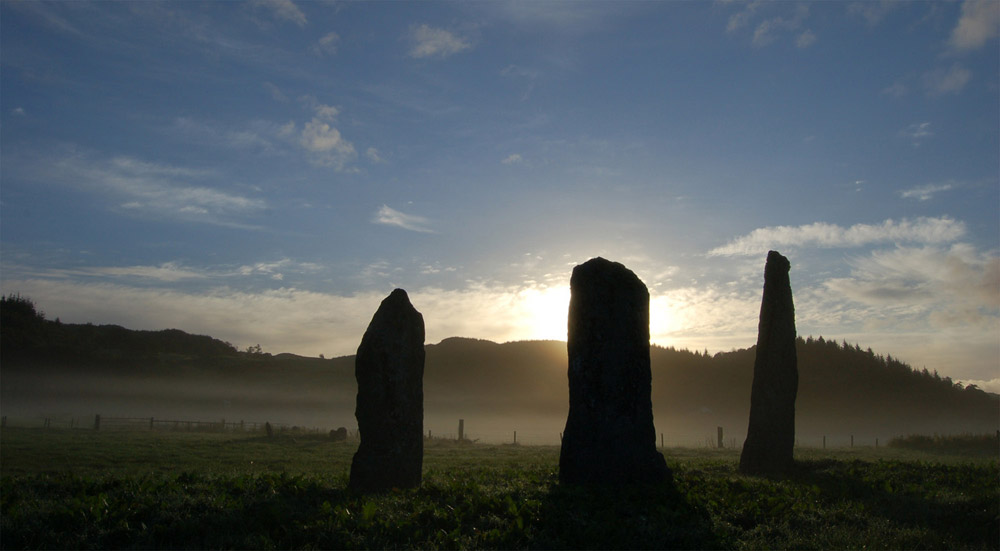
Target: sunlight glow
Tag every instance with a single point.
(544, 311)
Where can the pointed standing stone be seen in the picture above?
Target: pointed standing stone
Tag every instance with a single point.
(609, 436)
(771, 432)
(390, 367)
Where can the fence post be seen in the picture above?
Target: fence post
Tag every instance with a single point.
(515, 437)
(97, 422)
(47, 422)
(824, 441)
(719, 434)
(661, 440)
(3, 422)
(876, 443)
(150, 423)
(461, 429)
(852, 440)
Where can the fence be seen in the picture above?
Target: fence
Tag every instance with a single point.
(489, 435)
(104, 423)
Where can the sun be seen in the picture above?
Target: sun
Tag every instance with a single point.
(544, 312)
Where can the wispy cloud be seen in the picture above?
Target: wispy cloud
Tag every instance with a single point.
(925, 192)
(427, 41)
(979, 23)
(824, 235)
(955, 285)
(917, 132)
(373, 155)
(806, 39)
(941, 81)
(770, 29)
(873, 11)
(149, 189)
(283, 9)
(513, 159)
(392, 217)
(327, 45)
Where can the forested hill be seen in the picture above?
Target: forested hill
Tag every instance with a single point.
(841, 386)
(27, 338)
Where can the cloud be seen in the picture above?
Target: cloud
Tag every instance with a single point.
(772, 28)
(426, 41)
(979, 22)
(275, 92)
(326, 144)
(327, 44)
(806, 39)
(941, 81)
(391, 217)
(917, 132)
(823, 235)
(18, 111)
(513, 159)
(873, 12)
(283, 9)
(896, 90)
(373, 155)
(946, 287)
(925, 192)
(257, 135)
(150, 189)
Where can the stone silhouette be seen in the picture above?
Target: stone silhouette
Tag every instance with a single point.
(339, 435)
(390, 406)
(609, 436)
(771, 432)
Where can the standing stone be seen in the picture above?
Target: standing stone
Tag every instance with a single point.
(390, 408)
(609, 436)
(771, 433)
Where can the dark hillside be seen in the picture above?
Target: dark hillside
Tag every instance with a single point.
(843, 390)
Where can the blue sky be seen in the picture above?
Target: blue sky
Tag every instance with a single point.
(266, 172)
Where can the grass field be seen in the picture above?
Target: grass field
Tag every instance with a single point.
(98, 490)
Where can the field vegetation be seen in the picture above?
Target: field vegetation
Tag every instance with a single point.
(130, 489)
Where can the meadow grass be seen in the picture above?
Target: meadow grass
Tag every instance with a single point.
(88, 490)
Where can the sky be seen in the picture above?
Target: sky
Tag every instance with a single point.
(266, 172)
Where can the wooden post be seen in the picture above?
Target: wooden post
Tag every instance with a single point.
(97, 422)
(241, 425)
(824, 441)
(515, 437)
(661, 440)
(47, 422)
(150, 423)
(461, 429)
(876, 443)
(852, 440)
(429, 436)
(719, 431)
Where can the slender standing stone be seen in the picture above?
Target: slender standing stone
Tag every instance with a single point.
(609, 436)
(771, 431)
(390, 409)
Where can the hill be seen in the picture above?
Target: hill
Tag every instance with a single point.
(51, 367)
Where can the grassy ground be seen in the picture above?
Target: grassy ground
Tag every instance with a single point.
(81, 489)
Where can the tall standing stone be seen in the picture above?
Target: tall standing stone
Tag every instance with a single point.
(390, 367)
(609, 436)
(771, 432)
